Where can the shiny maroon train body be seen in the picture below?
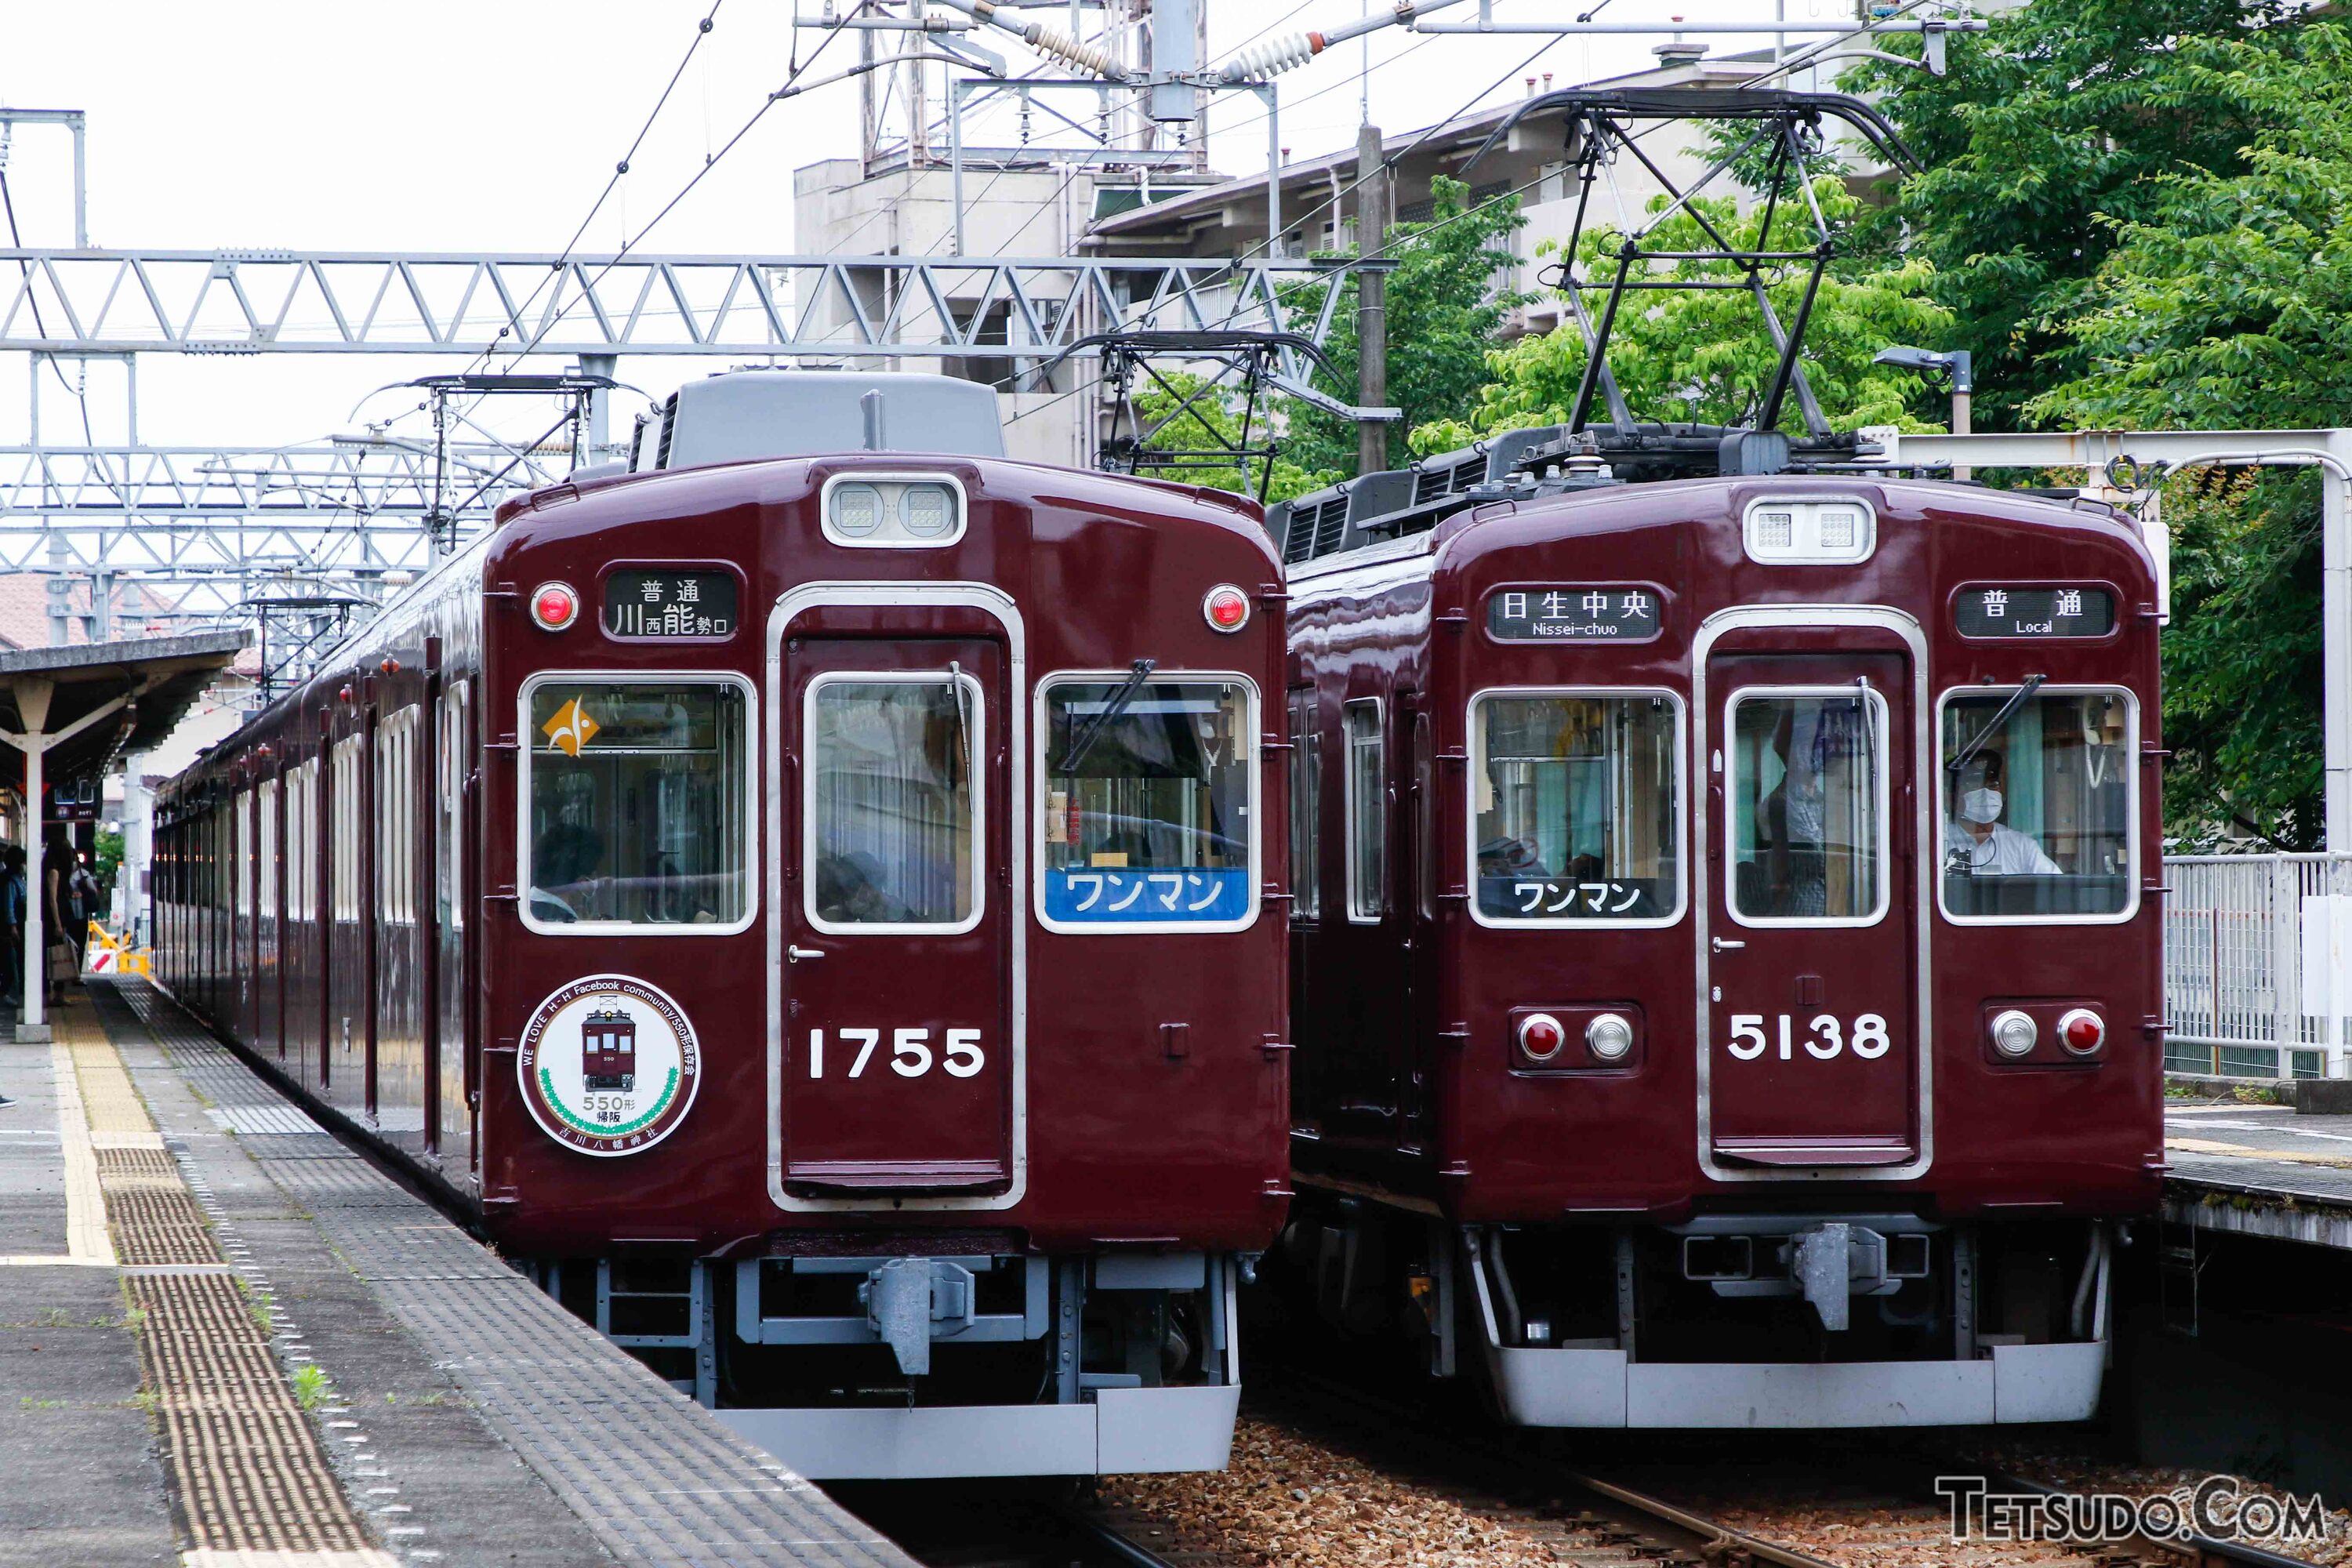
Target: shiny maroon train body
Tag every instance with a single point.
(1726, 942)
(814, 908)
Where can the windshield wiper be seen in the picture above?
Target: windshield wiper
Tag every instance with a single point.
(963, 720)
(1083, 742)
(1984, 736)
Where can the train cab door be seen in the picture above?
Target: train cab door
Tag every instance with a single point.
(897, 917)
(1814, 1052)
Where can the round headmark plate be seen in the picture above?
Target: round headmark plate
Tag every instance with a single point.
(609, 1065)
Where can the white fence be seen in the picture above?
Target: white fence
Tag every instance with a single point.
(2258, 965)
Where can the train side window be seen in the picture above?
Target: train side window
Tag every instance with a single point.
(637, 805)
(1367, 811)
(1306, 808)
(1807, 806)
(241, 849)
(342, 850)
(1149, 804)
(1576, 810)
(2037, 805)
(268, 867)
(890, 824)
(448, 798)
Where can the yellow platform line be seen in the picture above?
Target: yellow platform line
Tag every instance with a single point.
(88, 1244)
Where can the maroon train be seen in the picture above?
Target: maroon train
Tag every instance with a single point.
(1727, 939)
(817, 910)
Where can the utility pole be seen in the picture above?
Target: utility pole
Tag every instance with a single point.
(1371, 299)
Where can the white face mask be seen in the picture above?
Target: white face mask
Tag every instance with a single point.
(1981, 806)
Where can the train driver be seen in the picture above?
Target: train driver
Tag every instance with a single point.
(1977, 842)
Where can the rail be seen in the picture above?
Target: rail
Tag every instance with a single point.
(2258, 965)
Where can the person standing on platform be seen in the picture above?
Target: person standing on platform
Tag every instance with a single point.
(56, 906)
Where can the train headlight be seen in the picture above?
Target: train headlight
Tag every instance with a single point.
(1608, 1037)
(927, 510)
(1540, 1036)
(554, 605)
(1225, 607)
(2082, 1031)
(857, 511)
(2014, 1034)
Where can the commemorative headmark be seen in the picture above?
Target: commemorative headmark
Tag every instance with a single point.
(609, 1065)
(1575, 612)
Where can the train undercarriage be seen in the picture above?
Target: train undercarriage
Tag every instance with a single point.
(1815, 1318)
(964, 1364)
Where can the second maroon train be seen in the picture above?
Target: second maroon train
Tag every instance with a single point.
(843, 914)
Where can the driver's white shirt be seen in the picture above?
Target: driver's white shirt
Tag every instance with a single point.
(2007, 853)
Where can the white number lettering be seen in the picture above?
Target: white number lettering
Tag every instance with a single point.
(907, 1047)
(1870, 1036)
(816, 1053)
(871, 1039)
(1833, 1037)
(1784, 1038)
(1748, 1028)
(964, 1057)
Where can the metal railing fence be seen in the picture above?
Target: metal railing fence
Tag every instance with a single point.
(2258, 965)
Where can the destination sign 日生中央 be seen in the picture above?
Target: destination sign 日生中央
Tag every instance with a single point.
(1990, 610)
(1574, 613)
(640, 603)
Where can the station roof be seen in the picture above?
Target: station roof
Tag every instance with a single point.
(160, 678)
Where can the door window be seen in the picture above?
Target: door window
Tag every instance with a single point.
(2037, 805)
(1808, 807)
(636, 805)
(1578, 808)
(1368, 815)
(1149, 803)
(893, 807)
(1306, 808)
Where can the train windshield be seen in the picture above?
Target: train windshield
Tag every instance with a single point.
(893, 816)
(1148, 803)
(2037, 805)
(1808, 808)
(637, 805)
(1578, 811)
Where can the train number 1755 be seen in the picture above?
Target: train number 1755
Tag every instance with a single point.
(1825, 1035)
(911, 1051)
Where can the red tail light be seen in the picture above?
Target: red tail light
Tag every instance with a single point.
(554, 605)
(2083, 1031)
(1540, 1036)
(1226, 607)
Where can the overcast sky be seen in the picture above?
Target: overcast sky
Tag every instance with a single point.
(435, 126)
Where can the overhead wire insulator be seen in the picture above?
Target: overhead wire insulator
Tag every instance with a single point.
(1261, 62)
(1086, 57)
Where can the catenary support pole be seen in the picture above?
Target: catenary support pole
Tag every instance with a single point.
(33, 711)
(1372, 300)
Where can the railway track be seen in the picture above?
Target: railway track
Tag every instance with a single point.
(985, 1524)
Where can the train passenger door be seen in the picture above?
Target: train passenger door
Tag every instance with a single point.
(895, 822)
(1811, 960)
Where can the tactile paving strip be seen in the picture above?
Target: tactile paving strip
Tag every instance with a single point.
(656, 1479)
(250, 1472)
(245, 1463)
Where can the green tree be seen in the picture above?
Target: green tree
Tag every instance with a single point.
(1211, 421)
(2056, 123)
(1444, 313)
(1703, 353)
(2226, 303)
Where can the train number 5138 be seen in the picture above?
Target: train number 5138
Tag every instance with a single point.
(1825, 1036)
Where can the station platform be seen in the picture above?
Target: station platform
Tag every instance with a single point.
(228, 1339)
(2260, 1170)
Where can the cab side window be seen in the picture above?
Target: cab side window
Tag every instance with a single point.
(1368, 811)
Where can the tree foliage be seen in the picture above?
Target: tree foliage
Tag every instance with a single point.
(1704, 353)
(1213, 421)
(2063, 119)
(1444, 314)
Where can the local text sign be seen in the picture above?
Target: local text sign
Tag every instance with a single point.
(1993, 610)
(649, 602)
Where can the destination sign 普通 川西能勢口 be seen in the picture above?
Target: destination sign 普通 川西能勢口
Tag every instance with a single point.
(644, 602)
(1989, 610)
(1574, 613)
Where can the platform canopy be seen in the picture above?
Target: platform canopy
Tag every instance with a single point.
(93, 702)
(77, 707)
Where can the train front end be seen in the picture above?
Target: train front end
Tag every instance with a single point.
(1784, 972)
(887, 1006)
